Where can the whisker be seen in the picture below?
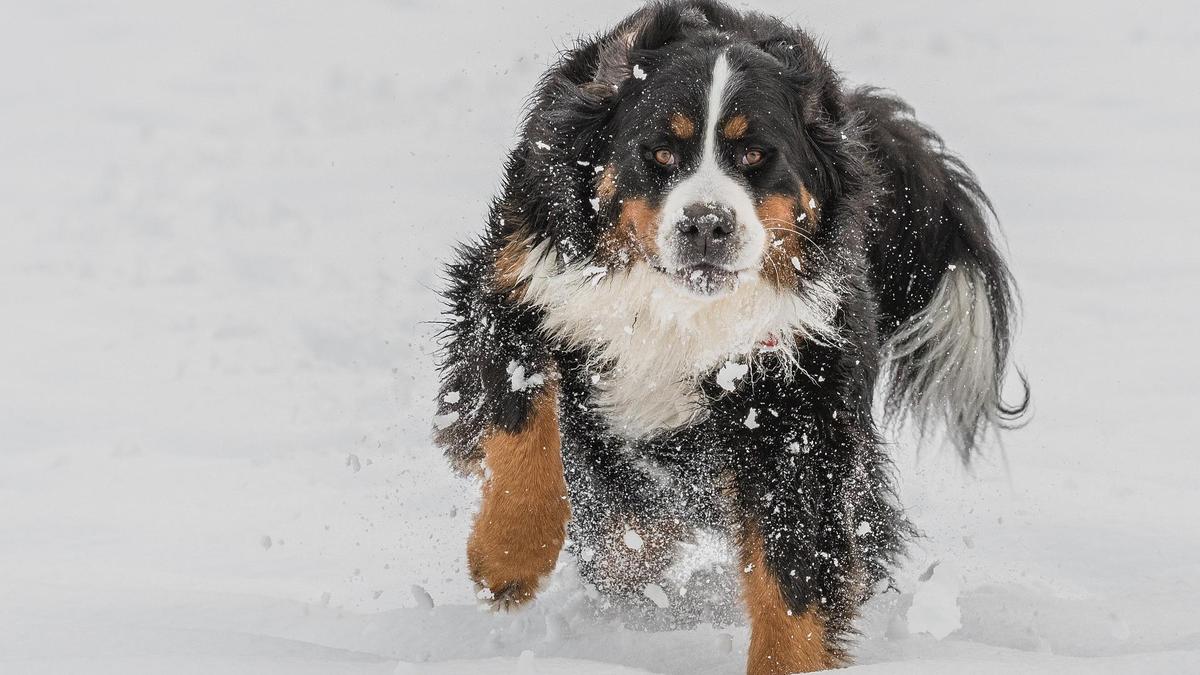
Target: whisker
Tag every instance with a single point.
(803, 236)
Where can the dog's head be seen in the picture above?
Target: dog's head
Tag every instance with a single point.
(711, 159)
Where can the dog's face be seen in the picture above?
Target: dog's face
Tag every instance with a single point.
(708, 174)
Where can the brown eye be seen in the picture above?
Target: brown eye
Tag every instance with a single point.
(752, 157)
(664, 157)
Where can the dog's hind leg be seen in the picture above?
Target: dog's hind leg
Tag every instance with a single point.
(623, 554)
(623, 532)
(522, 522)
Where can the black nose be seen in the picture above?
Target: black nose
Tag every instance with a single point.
(706, 231)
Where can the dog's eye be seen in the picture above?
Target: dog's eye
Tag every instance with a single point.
(752, 157)
(664, 157)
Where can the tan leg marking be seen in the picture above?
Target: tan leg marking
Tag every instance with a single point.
(781, 641)
(522, 523)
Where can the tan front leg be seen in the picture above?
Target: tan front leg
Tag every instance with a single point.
(782, 641)
(523, 520)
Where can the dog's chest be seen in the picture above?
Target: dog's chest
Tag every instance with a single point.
(650, 345)
(639, 399)
(649, 350)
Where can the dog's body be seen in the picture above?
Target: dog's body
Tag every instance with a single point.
(705, 254)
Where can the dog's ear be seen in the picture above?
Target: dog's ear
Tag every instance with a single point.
(612, 63)
(804, 67)
(656, 27)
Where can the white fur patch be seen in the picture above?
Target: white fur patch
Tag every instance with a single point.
(653, 340)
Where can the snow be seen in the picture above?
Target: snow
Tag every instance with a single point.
(934, 608)
(220, 224)
(519, 381)
(657, 595)
(633, 540)
(730, 373)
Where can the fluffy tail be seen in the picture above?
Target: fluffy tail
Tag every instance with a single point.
(945, 294)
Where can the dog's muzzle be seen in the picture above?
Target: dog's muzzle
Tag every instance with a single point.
(706, 236)
(706, 248)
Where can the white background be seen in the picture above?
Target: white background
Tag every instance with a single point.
(221, 224)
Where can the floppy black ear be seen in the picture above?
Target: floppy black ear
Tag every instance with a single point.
(656, 27)
(613, 65)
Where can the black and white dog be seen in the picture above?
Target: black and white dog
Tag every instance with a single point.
(706, 255)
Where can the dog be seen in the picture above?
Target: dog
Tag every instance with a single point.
(710, 263)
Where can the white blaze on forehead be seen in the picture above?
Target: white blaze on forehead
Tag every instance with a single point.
(709, 183)
(712, 114)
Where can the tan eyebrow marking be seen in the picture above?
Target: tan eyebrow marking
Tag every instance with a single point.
(681, 126)
(735, 127)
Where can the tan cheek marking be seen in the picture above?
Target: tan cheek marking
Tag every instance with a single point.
(735, 127)
(640, 221)
(623, 242)
(781, 641)
(632, 237)
(606, 184)
(614, 244)
(522, 521)
(777, 213)
(681, 126)
(812, 210)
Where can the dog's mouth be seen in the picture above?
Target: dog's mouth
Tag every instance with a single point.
(705, 280)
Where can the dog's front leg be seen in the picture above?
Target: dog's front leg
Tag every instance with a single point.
(522, 522)
(786, 634)
(800, 577)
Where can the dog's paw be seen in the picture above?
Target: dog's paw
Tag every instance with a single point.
(506, 597)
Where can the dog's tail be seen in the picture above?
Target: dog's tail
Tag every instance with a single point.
(946, 297)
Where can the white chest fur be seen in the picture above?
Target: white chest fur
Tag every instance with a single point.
(652, 341)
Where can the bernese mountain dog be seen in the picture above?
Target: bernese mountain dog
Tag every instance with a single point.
(711, 264)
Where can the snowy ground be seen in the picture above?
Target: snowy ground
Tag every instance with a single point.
(220, 224)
